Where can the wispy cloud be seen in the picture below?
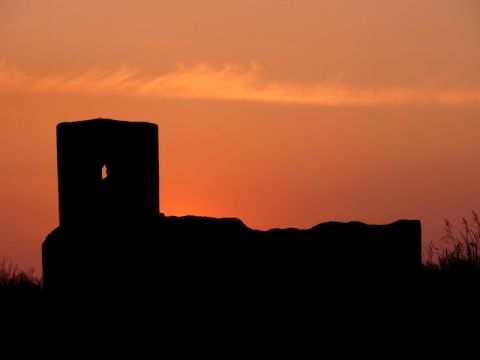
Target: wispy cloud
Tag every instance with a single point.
(230, 82)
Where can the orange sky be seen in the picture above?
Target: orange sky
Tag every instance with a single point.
(280, 113)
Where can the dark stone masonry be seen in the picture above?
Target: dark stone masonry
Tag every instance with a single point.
(129, 152)
(113, 239)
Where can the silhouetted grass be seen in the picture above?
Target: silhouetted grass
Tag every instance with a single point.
(14, 279)
(461, 256)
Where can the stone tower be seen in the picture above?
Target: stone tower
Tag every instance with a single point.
(103, 219)
(129, 152)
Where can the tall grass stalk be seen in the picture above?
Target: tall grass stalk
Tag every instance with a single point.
(12, 277)
(462, 254)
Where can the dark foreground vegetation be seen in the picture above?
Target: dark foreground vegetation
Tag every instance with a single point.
(13, 279)
(448, 270)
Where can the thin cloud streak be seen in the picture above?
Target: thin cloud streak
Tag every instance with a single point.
(231, 82)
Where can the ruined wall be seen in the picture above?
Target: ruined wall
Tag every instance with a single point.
(112, 239)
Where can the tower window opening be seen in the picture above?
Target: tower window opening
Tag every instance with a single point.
(104, 172)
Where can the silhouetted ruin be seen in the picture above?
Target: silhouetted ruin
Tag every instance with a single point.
(101, 219)
(112, 237)
(128, 151)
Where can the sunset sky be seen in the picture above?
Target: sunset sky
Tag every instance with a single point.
(280, 113)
